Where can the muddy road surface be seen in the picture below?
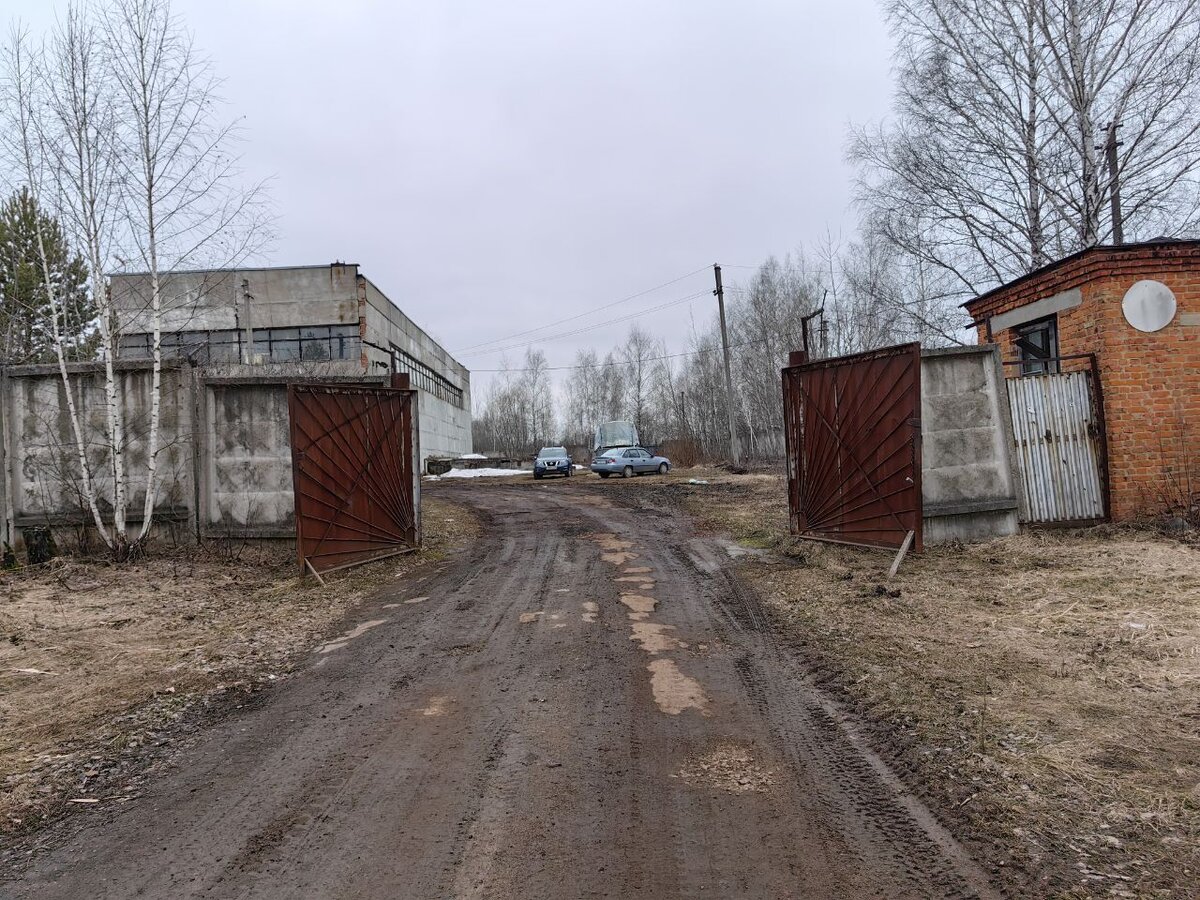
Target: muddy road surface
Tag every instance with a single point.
(584, 704)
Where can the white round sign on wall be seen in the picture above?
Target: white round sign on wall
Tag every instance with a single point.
(1149, 306)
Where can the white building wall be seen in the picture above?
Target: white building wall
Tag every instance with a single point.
(445, 426)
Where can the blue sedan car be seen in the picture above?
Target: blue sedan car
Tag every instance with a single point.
(629, 461)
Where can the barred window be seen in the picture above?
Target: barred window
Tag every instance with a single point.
(1037, 346)
(423, 378)
(198, 346)
(310, 343)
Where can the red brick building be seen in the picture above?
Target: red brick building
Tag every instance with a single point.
(1146, 341)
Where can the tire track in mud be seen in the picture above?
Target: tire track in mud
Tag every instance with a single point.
(506, 738)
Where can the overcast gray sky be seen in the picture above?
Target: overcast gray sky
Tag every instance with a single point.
(493, 165)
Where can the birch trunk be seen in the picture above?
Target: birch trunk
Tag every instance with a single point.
(26, 109)
(81, 100)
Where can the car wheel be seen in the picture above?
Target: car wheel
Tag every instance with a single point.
(568, 473)
(537, 477)
(662, 468)
(627, 472)
(603, 474)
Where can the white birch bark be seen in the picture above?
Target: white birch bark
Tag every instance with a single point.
(24, 82)
(80, 94)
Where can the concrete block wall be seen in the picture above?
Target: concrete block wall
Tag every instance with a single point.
(1150, 381)
(225, 463)
(969, 484)
(40, 468)
(246, 476)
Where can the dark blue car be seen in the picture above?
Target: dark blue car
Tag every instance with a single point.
(552, 461)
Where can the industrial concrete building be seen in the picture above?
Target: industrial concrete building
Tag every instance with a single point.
(329, 320)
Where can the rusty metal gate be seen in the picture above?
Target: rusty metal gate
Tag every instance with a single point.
(853, 430)
(353, 473)
(1058, 431)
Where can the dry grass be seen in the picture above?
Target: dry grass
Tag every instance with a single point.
(95, 660)
(1045, 689)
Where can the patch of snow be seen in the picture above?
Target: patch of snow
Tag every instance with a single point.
(472, 456)
(478, 473)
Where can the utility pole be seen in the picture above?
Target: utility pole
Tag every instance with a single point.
(734, 453)
(1114, 183)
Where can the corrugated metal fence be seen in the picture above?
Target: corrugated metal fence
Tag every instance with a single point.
(1058, 432)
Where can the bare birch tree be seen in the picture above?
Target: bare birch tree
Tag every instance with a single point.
(1132, 66)
(86, 131)
(638, 355)
(118, 122)
(184, 200)
(994, 163)
(25, 146)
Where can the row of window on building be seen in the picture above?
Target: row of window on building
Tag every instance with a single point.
(310, 344)
(423, 378)
(316, 344)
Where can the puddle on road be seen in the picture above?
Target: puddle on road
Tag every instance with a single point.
(673, 691)
(339, 642)
(417, 600)
(437, 706)
(654, 638)
(590, 611)
(527, 617)
(737, 551)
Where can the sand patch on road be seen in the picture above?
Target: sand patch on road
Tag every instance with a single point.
(639, 603)
(728, 767)
(673, 691)
(341, 641)
(437, 706)
(654, 638)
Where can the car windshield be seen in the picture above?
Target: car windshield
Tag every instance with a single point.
(552, 452)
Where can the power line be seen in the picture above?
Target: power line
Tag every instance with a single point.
(606, 323)
(598, 309)
(648, 359)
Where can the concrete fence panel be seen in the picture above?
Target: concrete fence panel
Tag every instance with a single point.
(969, 483)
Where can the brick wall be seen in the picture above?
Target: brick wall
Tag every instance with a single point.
(1150, 382)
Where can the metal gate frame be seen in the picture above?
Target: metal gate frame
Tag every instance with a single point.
(355, 473)
(852, 426)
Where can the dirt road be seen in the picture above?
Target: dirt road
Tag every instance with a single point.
(586, 704)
